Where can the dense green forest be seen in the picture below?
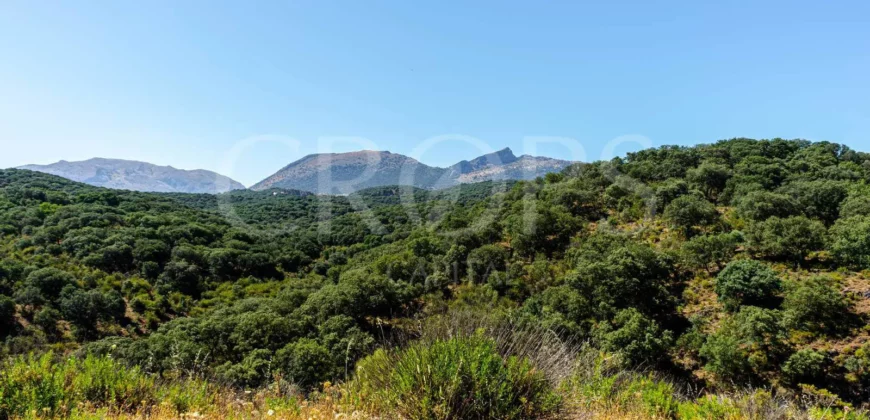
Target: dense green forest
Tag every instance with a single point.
(743, 263)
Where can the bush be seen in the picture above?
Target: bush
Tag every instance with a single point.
(654, 398)
(747, 344)
(817, 307)
(47, 319)
(851, 242)
(547, 229)
(819, 199)
(614, 275)
(305, 363)
(804, 366)
(747, 282)
(668, 191)
(762, 205)
(708, 407)
(636, 338)
(688, 212)
(707, 250)
(644, 396)
(486, 260)
(561, 309)
(710, 178)
(84, 308)
(49, 282)
(457, 378)
(7, 314)
(855, 205)
(253, 371)
(789, 239)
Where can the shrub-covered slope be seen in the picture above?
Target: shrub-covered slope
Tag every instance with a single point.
(742, 263)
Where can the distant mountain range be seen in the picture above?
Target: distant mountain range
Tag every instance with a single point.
(326, 173)
(344, 173)
(139, 176)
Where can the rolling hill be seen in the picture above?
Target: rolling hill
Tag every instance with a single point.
(139, 176)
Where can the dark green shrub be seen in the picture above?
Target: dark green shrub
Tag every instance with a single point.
(580, 202)
(7, 314)
(850, 242)
(814, 305)
(486, 260)
(184, 277)
(305, 363)
(562, 309)
(545, 229)
(855, 205)
(403, 266)
(668, 191)
(10, 272)
(747, 282)
(460, 378)
(84, 308)
(260, 329)
(711, 250)
(819, 199)
(636, 338)
(615, 276)
(746, 345)
(804, 366)
(346, 343)
(690, 212)
(858, 367)
(739, 186)
(710, 178)
(790, 239)
(661, 163)
(49, 282)
(764, 170)
(47, 319)
(762, 205)
(253, 370)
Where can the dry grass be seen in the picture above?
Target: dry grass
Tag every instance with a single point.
(231, 404)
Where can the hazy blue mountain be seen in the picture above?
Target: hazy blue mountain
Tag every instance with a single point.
(345, 173)
(139, 176)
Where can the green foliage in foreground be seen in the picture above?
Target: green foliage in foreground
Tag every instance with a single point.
(56, 387)
(460, 378)
(48, 386)
(445, 379)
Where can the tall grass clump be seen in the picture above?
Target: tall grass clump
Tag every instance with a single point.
(458, 378)
(555, 357)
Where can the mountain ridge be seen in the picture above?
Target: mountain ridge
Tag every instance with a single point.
(345, 173)
(318, 173)
(138, 176)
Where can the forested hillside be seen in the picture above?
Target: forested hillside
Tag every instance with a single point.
(722, 267)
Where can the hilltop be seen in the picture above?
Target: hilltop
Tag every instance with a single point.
(345, 173)
(138, 176)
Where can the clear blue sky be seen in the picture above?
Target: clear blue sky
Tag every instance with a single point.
(186, 82)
